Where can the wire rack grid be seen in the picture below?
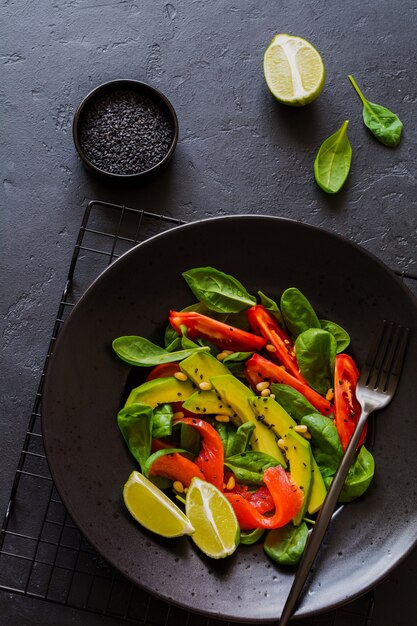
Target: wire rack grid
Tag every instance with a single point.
(42, 553)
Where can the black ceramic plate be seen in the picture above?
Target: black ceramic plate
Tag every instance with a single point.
(86, 382)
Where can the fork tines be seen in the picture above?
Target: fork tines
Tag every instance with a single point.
(383, 364)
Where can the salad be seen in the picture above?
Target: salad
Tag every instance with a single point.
(251, 400)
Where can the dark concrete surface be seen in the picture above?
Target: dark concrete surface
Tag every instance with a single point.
(238, 152)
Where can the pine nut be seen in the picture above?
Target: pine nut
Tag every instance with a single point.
(178, 415)
(330, 394)
(263, 385)
(205, 386)
(272, 395)
(222, 418)
(222, 355)
(231, 483)
(265, 392)
(300, 428)
(281, 444)
(181, 376)
(178, 486)
(306, 435)
(270, 347)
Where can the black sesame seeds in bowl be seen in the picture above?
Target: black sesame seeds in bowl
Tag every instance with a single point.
(125, 130)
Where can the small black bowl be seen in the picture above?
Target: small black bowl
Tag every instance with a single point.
(125, 130)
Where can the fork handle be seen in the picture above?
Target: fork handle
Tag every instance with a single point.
(323, 520)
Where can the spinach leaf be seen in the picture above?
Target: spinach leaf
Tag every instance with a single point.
(236, 362)
(248, 537)
(235, 441)
(316, 351)
(218, 291)
(297, 312)
(385, 125)
(162, 421)
(325, 442)
(359, 476)
(286, 545)
(248, 467)
(140, 351)
(339, 333)
(292, 401)
(190, 439)
(272, 307)
(135, 423)
(332, 163)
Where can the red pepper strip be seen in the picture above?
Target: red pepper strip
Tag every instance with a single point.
(258, 369)
(211, 456)
(263, 322)
(288, 500)
(176, 467)
(346, 407)
(221, 335)
(163, 371)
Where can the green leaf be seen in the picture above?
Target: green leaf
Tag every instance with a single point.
(135, 423)
(325, 442)
(339, 333)
(359, 476)
(218, 291)
(286, 545)
(162, 421)
(248, 467)
(316, 351)
(140, 351)
(272, 307)
(332, 163)
(297, 312)
(292, 401)
(385, 125)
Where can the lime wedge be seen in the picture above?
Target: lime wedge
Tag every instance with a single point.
(216, 528)
(153, 509)
(294, 70)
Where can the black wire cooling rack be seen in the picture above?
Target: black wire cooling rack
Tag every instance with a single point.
(42, 553)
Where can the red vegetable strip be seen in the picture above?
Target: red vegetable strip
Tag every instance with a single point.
(163, 371)
(261, 499)
(346, 407)
(175, 467)
(211, 456)
(263, 322)
(288, 500)
(220, 334)
(258, 369)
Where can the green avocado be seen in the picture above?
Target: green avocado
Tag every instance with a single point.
(300, 458)
(281, 422)
(236, 396)
(161, 391)
(201, 366)
(207, 402)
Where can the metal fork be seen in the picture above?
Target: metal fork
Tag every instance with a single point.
(375, 389)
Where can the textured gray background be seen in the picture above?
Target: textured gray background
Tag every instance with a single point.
(239, 152)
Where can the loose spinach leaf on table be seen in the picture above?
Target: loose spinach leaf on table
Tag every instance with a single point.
(249, 467)
(135, 423)
(218, 291)
(297, 312)
(316, 351)
(385, 125)
(292, 401)
(339, 333)
(332, 163)
(139, 351)
(286, 545)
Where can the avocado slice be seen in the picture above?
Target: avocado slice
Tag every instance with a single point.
(236, 397)
(207, 402)
(201, 366)
(300, 458)
(276, 417)
(161, 391)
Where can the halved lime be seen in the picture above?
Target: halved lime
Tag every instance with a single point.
(216, 527)
(294, 70)
(153, 509)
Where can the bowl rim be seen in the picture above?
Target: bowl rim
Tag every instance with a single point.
(110, 85)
